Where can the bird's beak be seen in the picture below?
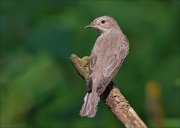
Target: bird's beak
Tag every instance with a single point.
(92, 25)
(88, 26)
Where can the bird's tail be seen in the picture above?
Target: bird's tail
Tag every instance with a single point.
(89, 107)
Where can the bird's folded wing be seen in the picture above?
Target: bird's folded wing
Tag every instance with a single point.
(113, 64)
(92, 63)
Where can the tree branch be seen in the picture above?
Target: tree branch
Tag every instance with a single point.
(112, 97)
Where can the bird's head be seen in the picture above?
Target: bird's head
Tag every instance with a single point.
(103, 24)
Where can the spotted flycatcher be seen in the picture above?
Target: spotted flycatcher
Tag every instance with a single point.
(107, 56)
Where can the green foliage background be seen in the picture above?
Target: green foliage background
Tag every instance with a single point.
(40, 88)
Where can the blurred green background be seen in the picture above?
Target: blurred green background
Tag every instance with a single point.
(39, 87)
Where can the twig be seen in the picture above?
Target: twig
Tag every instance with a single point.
(112, 97)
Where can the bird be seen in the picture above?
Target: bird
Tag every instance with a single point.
(106, 58)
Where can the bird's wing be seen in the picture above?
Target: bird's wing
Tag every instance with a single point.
(114, 62)
(110, 64)
(111, 67)
(116, 57)
(92, 63)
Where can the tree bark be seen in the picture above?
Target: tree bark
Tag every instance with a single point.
(112, 97)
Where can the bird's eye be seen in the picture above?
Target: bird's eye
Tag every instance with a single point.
(103, 21)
